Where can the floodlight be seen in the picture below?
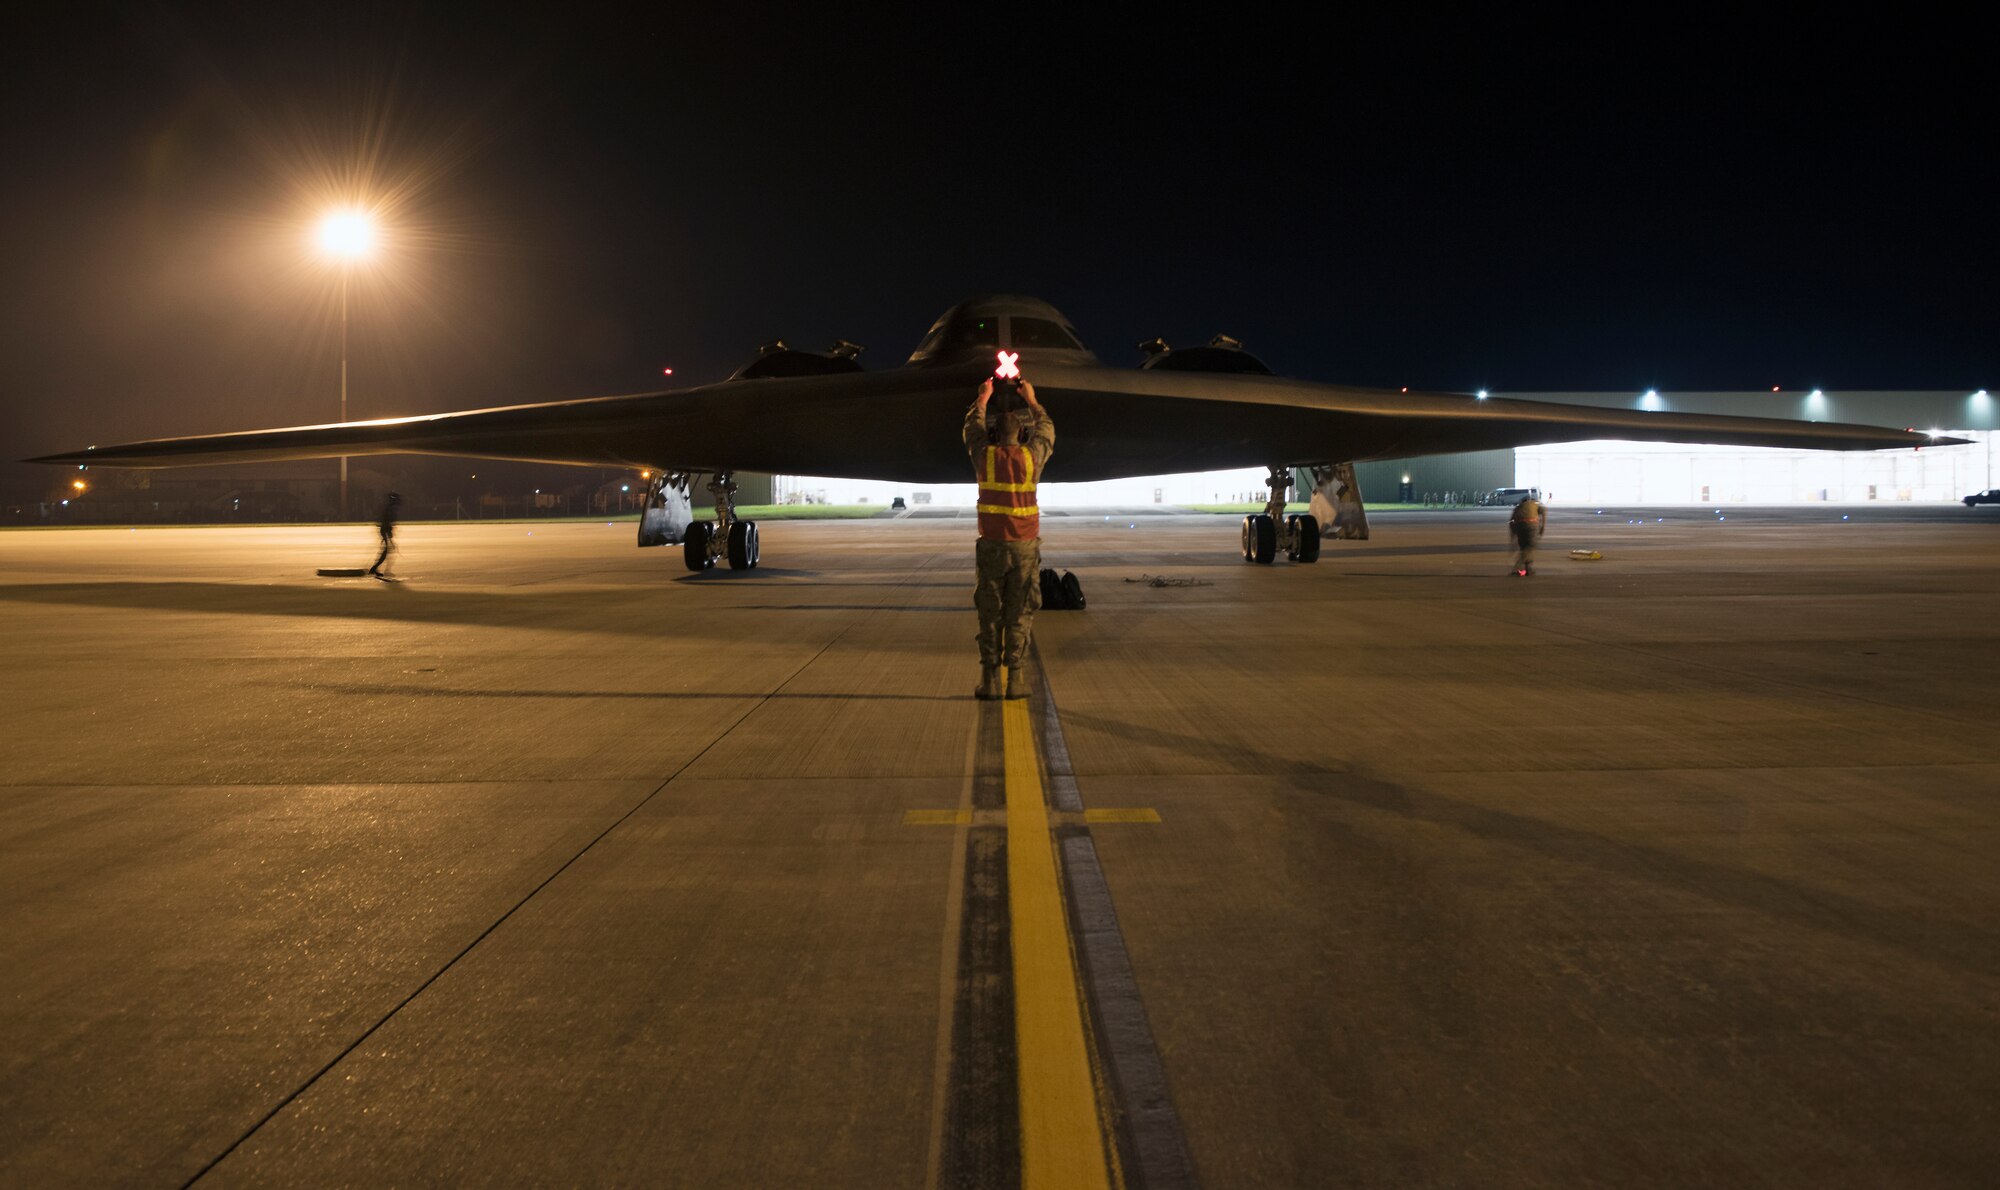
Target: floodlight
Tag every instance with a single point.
(1482, 394)
(347, 235)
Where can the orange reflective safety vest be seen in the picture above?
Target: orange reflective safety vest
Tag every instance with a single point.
(1007, 509)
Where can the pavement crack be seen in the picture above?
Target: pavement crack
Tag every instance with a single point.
(469, 947)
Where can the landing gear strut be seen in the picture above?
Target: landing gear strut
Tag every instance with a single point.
(708, 542)
(1267, 532)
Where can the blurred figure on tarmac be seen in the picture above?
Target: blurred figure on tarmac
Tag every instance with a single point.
(1526, 525)
(1007, 451)
(391, 510)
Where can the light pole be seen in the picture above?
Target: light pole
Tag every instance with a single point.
(348, 237)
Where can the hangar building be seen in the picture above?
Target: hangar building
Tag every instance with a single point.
(1619, 472)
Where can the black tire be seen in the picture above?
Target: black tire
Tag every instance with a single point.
(1305, 538)
(743, 545)
(1260, 534)
(694, 547)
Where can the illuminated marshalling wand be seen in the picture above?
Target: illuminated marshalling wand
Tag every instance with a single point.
(347, 237)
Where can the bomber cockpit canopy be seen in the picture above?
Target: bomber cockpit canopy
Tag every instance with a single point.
(986, 324)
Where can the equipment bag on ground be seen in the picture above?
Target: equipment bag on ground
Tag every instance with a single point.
(1061, 594)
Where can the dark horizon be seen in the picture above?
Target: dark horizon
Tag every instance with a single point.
(1556, 208)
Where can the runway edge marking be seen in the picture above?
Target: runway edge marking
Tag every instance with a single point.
(1150, 1147)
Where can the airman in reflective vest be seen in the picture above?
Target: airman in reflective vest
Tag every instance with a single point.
(1008, 451)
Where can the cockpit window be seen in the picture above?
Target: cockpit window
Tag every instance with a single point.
(1040, 332)
(973, 332)
(930, 343)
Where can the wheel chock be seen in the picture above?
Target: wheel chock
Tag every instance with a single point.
(1585, 556)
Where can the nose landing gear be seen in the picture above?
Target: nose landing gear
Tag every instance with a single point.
(1267, 532)
(708, 542)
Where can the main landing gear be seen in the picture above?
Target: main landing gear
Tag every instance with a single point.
(708, 542)
(1267, 532)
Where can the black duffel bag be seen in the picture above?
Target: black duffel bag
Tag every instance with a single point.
(1061, 594)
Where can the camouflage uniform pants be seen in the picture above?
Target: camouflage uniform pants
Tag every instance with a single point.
(1008, 593)
(1524, 544)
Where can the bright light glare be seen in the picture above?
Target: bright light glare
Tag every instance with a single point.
(1482, 394)
(349, 235)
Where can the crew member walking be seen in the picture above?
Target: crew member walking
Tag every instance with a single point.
(391, 510)
(1008, 451)
(1526, 525)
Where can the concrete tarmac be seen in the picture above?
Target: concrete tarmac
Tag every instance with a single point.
(556, 864)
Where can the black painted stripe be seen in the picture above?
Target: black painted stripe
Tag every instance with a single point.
(981, 1147)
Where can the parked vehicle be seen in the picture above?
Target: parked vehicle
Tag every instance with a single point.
(1987, 497)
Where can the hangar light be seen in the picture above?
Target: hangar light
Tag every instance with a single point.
(1651, 400)
(1482, 394)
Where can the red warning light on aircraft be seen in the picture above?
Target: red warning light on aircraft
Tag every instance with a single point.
(666, 371)
(1008, 368)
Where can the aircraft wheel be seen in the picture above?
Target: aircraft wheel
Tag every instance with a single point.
(743, 545)
(694, 547)
(1260, 539)
(1305, 538)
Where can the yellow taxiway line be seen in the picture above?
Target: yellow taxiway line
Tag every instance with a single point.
(970, 817)
(1062, 1139)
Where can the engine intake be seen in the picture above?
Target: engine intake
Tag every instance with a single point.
(775, 360)
(1223, 354)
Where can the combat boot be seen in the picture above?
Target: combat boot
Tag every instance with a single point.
(989, 683)
(1017, 682)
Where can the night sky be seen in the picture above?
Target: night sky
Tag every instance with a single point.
(581, 198)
